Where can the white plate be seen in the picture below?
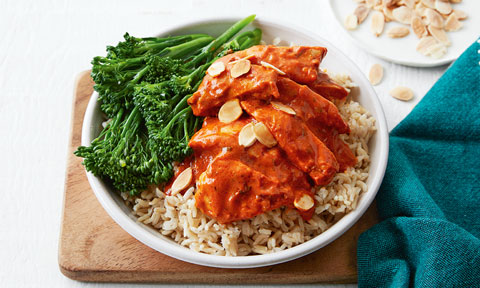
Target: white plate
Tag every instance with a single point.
(336, 61)
(402, 50)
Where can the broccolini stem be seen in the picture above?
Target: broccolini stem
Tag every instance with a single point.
(208, 51)
(187, 48)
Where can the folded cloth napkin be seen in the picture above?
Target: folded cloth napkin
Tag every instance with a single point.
(429, 201)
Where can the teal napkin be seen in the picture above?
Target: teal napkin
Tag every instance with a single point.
(429, 201)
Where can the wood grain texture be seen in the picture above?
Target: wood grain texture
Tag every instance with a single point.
(94, 248)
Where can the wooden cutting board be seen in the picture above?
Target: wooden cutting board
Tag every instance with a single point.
(94, 248)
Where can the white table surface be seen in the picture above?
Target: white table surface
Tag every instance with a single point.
(45, 44)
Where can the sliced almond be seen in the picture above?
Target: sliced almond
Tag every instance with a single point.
(420, 9)
(409, 3)
(402, 93)
(378, 22)
(351, 22)
(361, 12)
(398, 32)
(244, 58)
(390, 3)
(418, 27)
(216, 69)
(371, 3)
(433, 18)
(439, 35)
(452, 23)
(403, 14)
(182, 181)
(304, 203)
(268, 65)
(246, 137)
(437, 51)
(376, 74)
(429, 3)
(283, 107)
(443, 7)
(456, 1)
(240, 68)
(425, 43)
(230, 111)
(461, 15)
(388, 13)
(263, 135)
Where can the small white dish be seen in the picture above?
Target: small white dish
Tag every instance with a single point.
(403, 50)
(336, 61)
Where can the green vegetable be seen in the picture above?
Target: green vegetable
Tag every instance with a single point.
(143, 86)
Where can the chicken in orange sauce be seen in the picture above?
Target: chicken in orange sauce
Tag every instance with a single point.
(287, 102)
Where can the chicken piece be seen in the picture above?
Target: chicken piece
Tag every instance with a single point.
(302, 147)
(214, 136)
(230, 190)
(298, 63)
(310, 106)
(325, 86)
(234, 182)
(258, 83)
(321, 116)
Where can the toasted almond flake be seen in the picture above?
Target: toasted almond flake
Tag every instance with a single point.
(378, 22)
(420, 9)
(452, 23)
(429, 3)
(443, 7)
(398, 32)
(268, 65)
(379, 8)
(388, 13)
(371, 3)
(263, 135)
(437, 51)
(182, 181)
(409, 3)
(304, 203)
(351, 22)
(230, 111)
(433, 18)
(418, 27)
(240, 68)
(246, 137)
(244, 58)
(403, 14)
(283, 107)
(361, 12)
(455, 1)
(439, 35)
(216, 68)
(461, 15)
(376, 74)
(390, 3)
(402, 93)
(425, 43)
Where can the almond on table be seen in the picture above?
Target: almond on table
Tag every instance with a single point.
(402, 93)
(375, 75)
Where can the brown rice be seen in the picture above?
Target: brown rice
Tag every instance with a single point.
(178, 218)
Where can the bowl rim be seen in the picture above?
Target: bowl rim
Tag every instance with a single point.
(183, 253)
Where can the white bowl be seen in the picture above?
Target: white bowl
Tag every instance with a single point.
(335, 61)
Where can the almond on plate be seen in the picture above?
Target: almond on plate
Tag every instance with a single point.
(398, 32)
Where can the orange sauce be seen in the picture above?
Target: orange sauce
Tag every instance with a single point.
(236, 182)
